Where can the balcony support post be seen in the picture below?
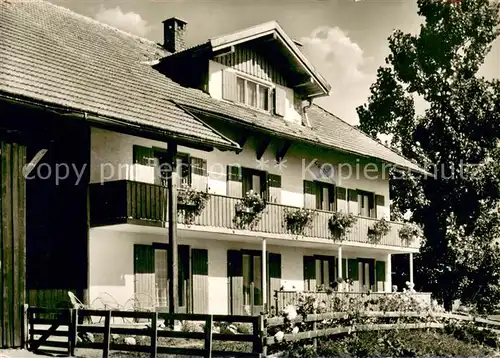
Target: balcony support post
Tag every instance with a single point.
(264, 274)
(173, 284)
(411, 267)
(388, 273)
(339, 265)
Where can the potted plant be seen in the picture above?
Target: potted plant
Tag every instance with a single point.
(408, 233)
(378, 230)
(191, 202)
(297, 220)
(249, 210)
(340, 224)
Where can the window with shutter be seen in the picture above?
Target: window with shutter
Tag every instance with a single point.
(144, 156)
(256, 180)
(245, 91)
(366, 204)
(199, 174)
(325, 196)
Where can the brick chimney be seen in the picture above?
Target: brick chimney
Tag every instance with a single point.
(174, 30)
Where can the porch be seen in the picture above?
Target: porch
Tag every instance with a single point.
(222, 273)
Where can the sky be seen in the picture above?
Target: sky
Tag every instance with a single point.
(346, 40)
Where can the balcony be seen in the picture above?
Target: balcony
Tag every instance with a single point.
(128, 202)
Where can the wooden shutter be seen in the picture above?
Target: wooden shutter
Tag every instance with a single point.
(380, 270)
(379, 206)
(199, 174)
(309, 273)
(342, 199)
(352, 273)
(279, 101)
(344, 272)
(371, 205)
(229, 88)
(331, 198)
(143, 155)
(144, 271)
(235, 276)
(199, 264)
(264, 185)
(183, 163)
(371, 264)
(352, 205)
(246, 180)
(332, 274)
(274, 184)
(234, 181)
(274, 276)
(309, 194)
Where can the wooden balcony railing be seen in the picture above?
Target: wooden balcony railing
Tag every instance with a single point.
(128, 202)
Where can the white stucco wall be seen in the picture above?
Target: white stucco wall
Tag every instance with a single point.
(112, 156)
(112, 263)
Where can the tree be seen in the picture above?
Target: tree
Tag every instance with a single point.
(456, 139)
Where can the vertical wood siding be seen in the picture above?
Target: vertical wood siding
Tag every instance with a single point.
(251, 62)
(12, 241)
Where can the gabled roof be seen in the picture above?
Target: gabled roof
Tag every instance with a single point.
(271, 28)
(51, 55)
(292, 59)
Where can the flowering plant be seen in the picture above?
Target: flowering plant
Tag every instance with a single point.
(249, 210)
(340, 224)
(191, 202)
(378, 230)
(409, 233)
(297, 220)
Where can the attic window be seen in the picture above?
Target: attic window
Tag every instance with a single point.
(252, 93)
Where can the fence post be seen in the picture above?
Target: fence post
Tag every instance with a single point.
(257, 328)
(209, 322)
(154, 335)
(315, 339)
(107, 335)
(24, 327)
(31, 317)
(263, 334)
(73, 331)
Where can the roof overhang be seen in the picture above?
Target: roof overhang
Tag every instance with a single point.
(271, 32)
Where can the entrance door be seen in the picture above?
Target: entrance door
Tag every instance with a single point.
(366, 274)
(252, 282)
(161, 277)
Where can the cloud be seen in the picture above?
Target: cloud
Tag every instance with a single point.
(130, 22)
(343, 63)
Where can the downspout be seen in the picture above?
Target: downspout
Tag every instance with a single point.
(305, 118)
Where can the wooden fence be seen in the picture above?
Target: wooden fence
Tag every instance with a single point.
(315, 319)
(70, 326)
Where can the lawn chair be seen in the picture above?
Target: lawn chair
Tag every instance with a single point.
(78, 305)
(140, 302)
